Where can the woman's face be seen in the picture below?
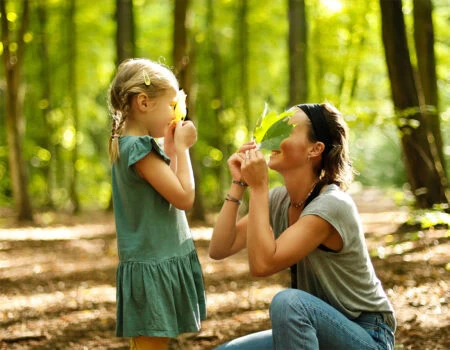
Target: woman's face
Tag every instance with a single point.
(294, 149)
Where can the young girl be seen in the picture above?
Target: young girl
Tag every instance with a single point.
(160, 291)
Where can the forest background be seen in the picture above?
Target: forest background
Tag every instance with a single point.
(232, 57)
(383, 63)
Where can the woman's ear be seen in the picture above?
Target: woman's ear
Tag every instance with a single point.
(317, 149)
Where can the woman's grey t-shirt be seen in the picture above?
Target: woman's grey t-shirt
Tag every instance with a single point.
(346, 279)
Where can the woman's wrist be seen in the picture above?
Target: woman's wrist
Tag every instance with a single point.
(240, 183)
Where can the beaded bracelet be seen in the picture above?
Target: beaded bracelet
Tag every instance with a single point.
(232, 199)
(240, 183)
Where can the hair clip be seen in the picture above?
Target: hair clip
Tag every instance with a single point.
(147, 80)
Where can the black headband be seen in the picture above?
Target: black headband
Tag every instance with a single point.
(319, 123)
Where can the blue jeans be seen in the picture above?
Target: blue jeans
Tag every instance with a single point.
(302, 321)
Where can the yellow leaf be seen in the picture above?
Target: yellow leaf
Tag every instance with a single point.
(180, 107)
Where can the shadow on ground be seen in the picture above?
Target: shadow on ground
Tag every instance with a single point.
(57, 284)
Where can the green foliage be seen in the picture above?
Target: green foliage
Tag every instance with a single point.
(429, 218)
(346, 67)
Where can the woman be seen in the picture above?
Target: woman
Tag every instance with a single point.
(336, 302)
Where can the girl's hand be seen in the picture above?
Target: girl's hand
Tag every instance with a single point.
(185, 135)
(169, 142)
(236, 159)
(254, 169)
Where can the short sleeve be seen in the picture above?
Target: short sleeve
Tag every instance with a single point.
(143, 146)
(337, 208)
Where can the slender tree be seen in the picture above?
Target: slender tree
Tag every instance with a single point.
(13, 58)
(298, 62)
(73, 92)
(125, 39)
(217, 94)
(125, 33)
(46, 96)
(418, 157)
(242, 61)
(182, 61)
(427, 86)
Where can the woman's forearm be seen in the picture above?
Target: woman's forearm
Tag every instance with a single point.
(224, 235)
(261, 243)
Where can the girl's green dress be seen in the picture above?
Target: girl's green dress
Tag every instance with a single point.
(160, 290)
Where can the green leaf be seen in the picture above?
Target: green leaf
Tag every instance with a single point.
(272, 128)
(275, 134)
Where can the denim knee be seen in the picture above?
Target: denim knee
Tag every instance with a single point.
(286, 298)
(285, 301)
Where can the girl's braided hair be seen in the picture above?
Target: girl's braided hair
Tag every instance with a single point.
(134, 76)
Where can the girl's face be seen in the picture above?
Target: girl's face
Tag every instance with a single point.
(162, 113)
(294, 149)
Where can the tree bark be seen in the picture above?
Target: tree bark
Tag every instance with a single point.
(217, 127)
(125, 33)
(428, 89)
(125, 40)
(13, 64)
(46, 95)
(183, 70)
(73, 92)
(298, 58)
(242, 59)
(418, 157)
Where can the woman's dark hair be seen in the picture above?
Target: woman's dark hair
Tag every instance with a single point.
(335, 166)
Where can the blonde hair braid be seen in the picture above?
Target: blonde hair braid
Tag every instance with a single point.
(134, 76)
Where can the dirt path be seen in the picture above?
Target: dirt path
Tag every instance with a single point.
(57, 284)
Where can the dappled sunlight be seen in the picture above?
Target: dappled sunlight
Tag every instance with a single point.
(71, 299)
(56, 233)
(57, 286)
(52, 268)
(247, 297)
(332, 6)
(430, 303)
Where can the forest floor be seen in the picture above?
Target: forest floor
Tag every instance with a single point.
(57, 282)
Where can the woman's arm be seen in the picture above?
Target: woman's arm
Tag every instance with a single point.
(229, 234)
(267, 255)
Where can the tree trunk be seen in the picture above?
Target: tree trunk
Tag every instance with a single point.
(242, 63)
(46, 96)
(125, 40)
(217, 126)
(182, 64)
(73, 92)
(13, 64)
(419, 161)
(298, 61)
(428, 89)
(125, 33)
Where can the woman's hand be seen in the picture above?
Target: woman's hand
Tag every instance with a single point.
(254, 169)
(185, 135)
(236, 159)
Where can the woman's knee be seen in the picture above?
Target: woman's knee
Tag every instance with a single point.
(286, 301)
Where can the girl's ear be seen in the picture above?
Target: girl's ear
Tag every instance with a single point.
(143, 102)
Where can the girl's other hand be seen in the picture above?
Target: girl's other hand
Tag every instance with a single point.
(236, 159)
(185, 135)
(169, 142)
